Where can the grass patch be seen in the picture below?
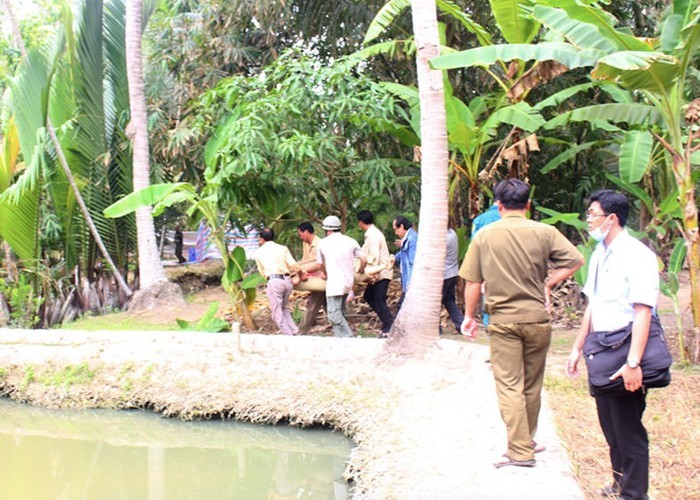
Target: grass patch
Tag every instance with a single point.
(70, 375)
(116, 321)
(670, 419)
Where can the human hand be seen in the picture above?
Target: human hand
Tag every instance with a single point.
(572, 363)
(632, 377)
(469, 327)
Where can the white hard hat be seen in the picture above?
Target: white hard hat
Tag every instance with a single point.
(331, 223)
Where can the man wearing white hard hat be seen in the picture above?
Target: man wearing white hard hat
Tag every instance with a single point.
(336, 254)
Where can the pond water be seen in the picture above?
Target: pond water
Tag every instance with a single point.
(103, 454)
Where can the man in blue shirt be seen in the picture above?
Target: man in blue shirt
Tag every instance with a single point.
(491, 215)
(479, 222)
(407, 242)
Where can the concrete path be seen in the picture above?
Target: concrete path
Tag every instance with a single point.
(427, 429)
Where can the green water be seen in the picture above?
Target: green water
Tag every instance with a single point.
(100, 454)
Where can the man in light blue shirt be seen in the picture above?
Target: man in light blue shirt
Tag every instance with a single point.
(407, 243)
(479, 222)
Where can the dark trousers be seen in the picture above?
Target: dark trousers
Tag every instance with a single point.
(620, 418)
(448, 300)
(375, 295)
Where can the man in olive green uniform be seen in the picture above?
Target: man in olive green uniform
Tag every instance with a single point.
(513, 256)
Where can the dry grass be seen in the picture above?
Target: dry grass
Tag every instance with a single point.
(671, 419)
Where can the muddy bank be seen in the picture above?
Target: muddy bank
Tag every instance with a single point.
(424, 429)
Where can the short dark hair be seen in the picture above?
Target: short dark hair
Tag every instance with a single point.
(613, 202)
(306, 226)
(512, 194)
(403, 221)
(267, 234)
(365, 216)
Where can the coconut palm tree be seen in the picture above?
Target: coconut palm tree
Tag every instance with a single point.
(416, 327)
(150, 267)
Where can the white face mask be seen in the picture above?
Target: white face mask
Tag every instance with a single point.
(598, 234)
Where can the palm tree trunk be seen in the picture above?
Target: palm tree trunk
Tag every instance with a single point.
(417, 325)
(150, 266)
(66, 169)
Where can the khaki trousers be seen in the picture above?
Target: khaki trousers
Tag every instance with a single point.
(518, 355)
(314, 303)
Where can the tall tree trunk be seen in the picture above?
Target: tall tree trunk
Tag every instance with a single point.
(417, 325)
(69, 175)
(150, 266)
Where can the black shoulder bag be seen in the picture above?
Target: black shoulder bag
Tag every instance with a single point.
(606, 352)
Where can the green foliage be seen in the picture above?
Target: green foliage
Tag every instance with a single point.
(670, 288)
(70, 375)
(301, 140)
(29, 377)
(77, 78)
(208, 323)
(241, 288)
(22, 303)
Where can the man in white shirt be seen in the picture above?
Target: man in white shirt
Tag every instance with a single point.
(276, 263)
(622, 287)
(336, 254)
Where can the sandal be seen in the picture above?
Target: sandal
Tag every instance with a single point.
(511, 461)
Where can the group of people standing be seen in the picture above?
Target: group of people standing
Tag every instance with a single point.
(338, 260)
(515, 262)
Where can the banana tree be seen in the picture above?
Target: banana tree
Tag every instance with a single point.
(582, 35)
(658, 70)
(240, 288)
(671, 286)
(473, 127)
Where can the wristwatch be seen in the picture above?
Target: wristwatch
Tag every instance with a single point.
(632, 363)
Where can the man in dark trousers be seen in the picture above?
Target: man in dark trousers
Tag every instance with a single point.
(513, 256)
(178, 240)
(622, 287)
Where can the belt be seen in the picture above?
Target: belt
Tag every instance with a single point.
(277, 276)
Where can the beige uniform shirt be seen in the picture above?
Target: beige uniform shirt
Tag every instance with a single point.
(513, 255)
(272, 258)
(377, 253)
(309, 255)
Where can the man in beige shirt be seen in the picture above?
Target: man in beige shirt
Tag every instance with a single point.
(379, 269)
(513, 256)
(276, 263)
(308, 263)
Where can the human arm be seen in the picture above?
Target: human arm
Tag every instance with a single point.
(363, 263)
(472, 298)
(577, 347)
(294, 266)
(640, 333)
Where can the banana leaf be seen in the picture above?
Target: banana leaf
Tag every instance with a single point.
(635, 155)
(564, 53)
(652, 71)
